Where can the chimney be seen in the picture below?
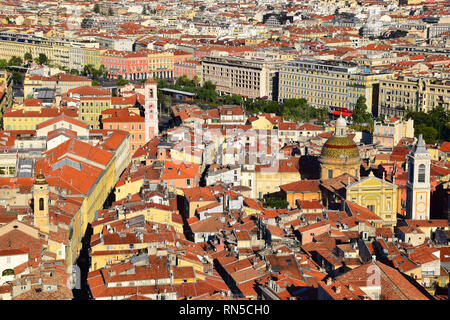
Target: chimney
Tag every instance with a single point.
(338, 290)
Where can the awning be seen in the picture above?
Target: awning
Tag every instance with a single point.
(345, 113)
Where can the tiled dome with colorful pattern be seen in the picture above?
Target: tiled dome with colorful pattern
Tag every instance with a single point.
(338, 147)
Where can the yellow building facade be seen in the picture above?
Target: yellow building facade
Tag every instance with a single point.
(379, 196)
(328, 84)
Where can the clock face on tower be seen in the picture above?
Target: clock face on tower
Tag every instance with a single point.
(420, 207)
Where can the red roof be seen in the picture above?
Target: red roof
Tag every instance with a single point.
(445, 147)
(301, 186)
(62, 117)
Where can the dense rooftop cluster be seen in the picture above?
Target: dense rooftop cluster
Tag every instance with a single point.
(165, 150)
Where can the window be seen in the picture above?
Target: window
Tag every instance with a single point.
(421, 177)
(41, 203)
(330, 174)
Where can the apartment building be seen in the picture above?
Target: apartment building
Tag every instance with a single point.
(93, 56)
(143, 64)
(90, 101)
(389, 133)
(20, 119)
(329, 84)
(65, 53)
(126, 120)
(189, 68)
(61, 82)
(249, 78)
(399, 95)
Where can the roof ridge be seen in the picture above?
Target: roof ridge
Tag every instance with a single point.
(396, 288)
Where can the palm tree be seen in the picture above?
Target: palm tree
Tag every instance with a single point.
(88, 68)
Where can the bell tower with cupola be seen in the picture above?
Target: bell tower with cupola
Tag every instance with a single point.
(151, 109)
(418, 183)
(40, 199)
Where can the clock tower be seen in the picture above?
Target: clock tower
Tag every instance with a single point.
(418, 183)
(151, 109)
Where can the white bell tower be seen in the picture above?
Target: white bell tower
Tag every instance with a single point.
(151, 109)
(418, 183)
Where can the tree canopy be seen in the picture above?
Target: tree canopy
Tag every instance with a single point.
(42, 59)
(27, 56)
(360, 114)
(277, 203)
(434, 125)
(122, 82)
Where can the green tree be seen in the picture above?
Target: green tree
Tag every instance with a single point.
(207, 95)
(110, 12)
(430, 134)
(27, 56)
(87, 69)
(321, 114)
(184, 81)
(42, 59)
(296, 109)
(209, 85)
(438, 119)
(122, 82)
(8, 272)
(164, 103)
(17, 77)
(96, 83)
(96, 8)
(277, 203)
(103, 71)
(196, 80)
(96, 73)
(3, 64)
(74, 72)
(231, 99)
(360, 114)
(161, 83)
(15, 61)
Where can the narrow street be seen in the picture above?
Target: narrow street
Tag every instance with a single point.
(83, 262)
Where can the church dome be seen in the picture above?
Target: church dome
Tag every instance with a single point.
(40, 179)
(340, 147)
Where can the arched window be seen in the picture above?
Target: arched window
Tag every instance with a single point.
(41, 203)
(421, 177)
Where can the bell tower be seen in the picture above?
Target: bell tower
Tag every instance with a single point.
(40, 197)
(418, 183)
(151, 109)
